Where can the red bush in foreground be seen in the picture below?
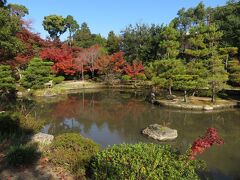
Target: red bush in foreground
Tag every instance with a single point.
(200, 145)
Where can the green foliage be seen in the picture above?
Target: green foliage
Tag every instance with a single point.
(7, 82)
(141, 77)
(234, 70)
(142, 161)
(83, 37)
(10, 45)
(228, 19)
(54, 25)
(73, 152)
(164, 72)
(72, 26)
(58, 79)
(126, 78)
(141, 42)
(37, 74)
(18, 10)
(113, 43)
(169, 45)
(22, 155)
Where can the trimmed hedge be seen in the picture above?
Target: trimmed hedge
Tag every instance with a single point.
(142, 161)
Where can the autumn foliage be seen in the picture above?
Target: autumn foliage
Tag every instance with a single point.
(32, 43)
(134, 69)
(108, 64)
(62, 59)
(209, 139)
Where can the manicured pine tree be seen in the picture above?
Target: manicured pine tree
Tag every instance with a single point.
(164, 72)
(203, 45)
(7, 82)
(37, 74)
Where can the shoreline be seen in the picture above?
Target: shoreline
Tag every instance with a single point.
(220, 105)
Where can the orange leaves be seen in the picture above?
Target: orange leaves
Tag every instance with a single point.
(134, 69)
(62, 58)
(111, 63)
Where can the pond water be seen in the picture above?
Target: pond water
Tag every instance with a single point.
(115, 116)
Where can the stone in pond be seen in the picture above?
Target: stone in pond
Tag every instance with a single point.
(159, 132)
(42, 138)
(208, 108)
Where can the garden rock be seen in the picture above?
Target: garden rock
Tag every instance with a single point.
(159, 132)
(208, 108)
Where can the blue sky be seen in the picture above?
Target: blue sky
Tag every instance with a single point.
(105, 15)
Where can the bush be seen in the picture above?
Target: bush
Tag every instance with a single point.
(22, 155)
(73, 152)
(58, 79)
(141, 77)
(142, 161)
(126, 78)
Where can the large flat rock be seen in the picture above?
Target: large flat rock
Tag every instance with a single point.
(159, 132)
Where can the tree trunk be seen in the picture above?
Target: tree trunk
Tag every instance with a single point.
(70, 39)
(82, 74)
(185, 96)
(213, 93)
(170, 90)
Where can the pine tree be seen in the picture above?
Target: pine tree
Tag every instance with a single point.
(164, 72)
(203, 45)
(7, 82)
(169, 44)
(37, 74)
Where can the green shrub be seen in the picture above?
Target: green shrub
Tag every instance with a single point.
(126, 77)
(141, 77)
(73, 152)
(22, 155)
(142, 161)
(58, 79)
(37, 74)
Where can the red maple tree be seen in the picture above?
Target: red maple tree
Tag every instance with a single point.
(110, 64)
(209, 139)
(134, 69)
(62, 58)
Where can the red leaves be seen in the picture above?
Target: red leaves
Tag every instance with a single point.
(200, 145)
(135, 69)
(62, 58)
(111, 63)
(32, 43)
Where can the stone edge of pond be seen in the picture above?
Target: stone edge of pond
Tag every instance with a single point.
(181, 105)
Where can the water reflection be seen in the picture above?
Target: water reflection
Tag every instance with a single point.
(112, 117)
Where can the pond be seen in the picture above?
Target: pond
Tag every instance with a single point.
(115, 116)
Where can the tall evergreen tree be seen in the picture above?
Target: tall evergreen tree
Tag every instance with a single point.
(169, 45)
(113, 43)
(83, 37)
(72, 27)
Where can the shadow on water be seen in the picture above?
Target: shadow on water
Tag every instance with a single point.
(115, 116)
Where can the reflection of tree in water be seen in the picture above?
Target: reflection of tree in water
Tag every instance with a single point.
(91, 109)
